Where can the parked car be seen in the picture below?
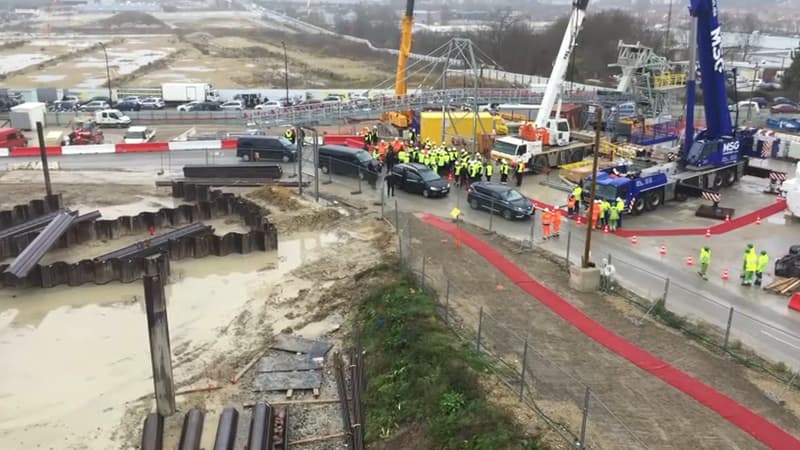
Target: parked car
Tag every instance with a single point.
(187, 106)
(343, 160)
(99, 98)
(276, 148)
(129, 106)
(744, 106)
(784, 108)
(12, 137)
(416, 178)
(152, 103)
(64, 106)
(233, 105)
(499, 198)
(205, 106)
(95, 105)
(132, 98)
(139, 135)
(784, 100)
(760, 101)
(269, 106)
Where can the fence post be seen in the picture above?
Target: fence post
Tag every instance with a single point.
(447, 303)
(582, 442)
(491, 215)
(533, 222)
(569, 241)
(666, 292)
(522, 372)
(383, 215)
(609, 258)
(728, 329)
(396, 216)
(480, 327)
(422, 279)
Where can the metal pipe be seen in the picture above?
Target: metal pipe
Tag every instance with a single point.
(285, 72)
(226, 430)
(160, 353)
(192, 430)
(153, 432)
(24, 263)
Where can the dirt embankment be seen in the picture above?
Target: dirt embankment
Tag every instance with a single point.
(44, 65)
(565, 359)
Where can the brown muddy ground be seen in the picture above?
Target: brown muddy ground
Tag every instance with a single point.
(630, 408)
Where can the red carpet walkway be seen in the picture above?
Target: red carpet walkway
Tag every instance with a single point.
(760, 428)
(733, 224)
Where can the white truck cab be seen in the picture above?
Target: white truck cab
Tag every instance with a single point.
(517, 150)
(111, 118)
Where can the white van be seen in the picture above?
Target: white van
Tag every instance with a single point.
(111, 118)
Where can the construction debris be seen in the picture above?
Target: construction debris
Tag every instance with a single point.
(784, 286)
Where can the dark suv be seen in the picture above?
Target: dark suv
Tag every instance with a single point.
(343, 160)
(417, 178)
(499, 198)
(275, 148)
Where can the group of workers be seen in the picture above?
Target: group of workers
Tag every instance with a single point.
(464, 166)
(603, 213)
(753, 265)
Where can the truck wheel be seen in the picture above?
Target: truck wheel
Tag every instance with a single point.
(729, 177)
(639, 206)
(654, 200)
(718, 181)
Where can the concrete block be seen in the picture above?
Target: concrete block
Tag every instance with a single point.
(584, 279)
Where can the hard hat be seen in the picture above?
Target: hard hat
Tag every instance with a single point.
(547, 210)
(619, 199)
(383, 141)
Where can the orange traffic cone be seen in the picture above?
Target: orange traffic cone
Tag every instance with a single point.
(663, 250)
(634, 241)
(450, 176)
(605, 229)
(689, 261)
(758, 220)
(578, 221)
(727, 217)
(725, 275)
(708, 232)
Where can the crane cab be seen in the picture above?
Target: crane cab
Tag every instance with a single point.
(559, 131)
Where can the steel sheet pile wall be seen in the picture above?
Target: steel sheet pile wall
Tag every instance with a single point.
(263, 236)
(15, 239)
(33, 209)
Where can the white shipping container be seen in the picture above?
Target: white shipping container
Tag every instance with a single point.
(184, 92)
(25, 116)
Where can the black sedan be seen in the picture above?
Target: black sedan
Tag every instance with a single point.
(499, 198)
(204, 106)
(417, 178)
(129, 106)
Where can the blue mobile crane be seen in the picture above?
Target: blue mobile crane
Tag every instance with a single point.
(715, 157)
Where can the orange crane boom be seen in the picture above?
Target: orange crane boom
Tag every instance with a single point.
(406, 31)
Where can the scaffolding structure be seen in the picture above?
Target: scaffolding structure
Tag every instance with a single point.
(649, 78)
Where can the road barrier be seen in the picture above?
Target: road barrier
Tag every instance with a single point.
(146, 147)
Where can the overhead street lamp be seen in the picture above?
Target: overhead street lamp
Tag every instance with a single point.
(108, 72)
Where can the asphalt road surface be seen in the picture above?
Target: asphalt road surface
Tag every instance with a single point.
(759, 321)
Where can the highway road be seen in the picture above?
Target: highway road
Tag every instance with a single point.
(760, 321)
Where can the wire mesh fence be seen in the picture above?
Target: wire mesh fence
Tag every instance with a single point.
(536, 375)
(733, 329)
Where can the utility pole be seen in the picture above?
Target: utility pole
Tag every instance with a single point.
(286, 72)
(589, 225)
(43, 151)
(108, 73)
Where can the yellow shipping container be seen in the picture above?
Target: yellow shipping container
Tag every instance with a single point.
(456, 124)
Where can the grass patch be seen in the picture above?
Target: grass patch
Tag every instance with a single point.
(420, 375)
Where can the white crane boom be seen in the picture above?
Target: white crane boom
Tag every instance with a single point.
(554, 84)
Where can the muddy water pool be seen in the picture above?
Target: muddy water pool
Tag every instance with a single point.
(74, 357)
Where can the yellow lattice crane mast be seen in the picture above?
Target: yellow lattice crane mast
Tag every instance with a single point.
(402, 119)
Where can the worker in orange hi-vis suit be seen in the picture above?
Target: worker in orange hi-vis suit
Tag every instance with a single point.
(396, 145)
(547, 219)
(595, 214)
(556, 223)
(382, 148)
